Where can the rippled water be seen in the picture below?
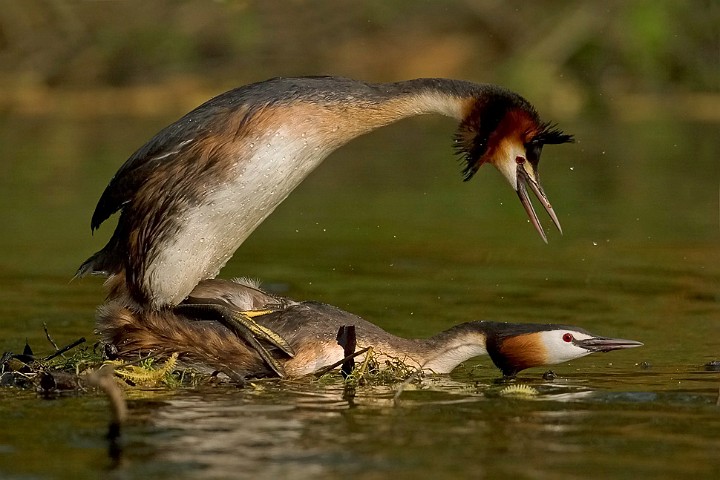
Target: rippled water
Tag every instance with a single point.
(387, 230)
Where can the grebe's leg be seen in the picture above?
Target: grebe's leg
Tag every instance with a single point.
(241, 323)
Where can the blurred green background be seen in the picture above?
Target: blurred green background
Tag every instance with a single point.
(631, 59)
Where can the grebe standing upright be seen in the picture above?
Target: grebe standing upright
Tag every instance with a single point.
(191, 195)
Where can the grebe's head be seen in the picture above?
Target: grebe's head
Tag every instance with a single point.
(503, 129)
(516, 346)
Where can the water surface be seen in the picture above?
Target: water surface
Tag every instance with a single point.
(386, 229)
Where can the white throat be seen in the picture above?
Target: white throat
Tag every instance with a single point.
(447, 360)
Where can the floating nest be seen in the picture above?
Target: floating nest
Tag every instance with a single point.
(70, 369)
(74, 368)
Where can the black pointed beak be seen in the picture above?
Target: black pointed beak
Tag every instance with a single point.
(604, 344)
(523, 181)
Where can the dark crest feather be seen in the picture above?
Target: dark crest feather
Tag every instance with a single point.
(470, 164)
(551, 135)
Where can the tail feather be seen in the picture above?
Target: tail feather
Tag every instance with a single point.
(105, 262)
(91, 266)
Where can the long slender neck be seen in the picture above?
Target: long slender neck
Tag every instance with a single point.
(443, 352)
(423, 95)
(340, 110)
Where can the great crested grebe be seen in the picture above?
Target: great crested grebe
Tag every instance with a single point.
(310, 328)
(192, 194)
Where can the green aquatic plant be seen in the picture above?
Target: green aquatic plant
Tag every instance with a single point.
(519, 390)
(145, 373)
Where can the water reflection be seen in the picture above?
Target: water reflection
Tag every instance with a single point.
(222, 438)
(456, 427)
(223, 434)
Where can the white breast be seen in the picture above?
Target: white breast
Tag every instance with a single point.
(267, 170)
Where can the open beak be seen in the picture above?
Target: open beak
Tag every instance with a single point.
(523, 181)
(604, 344)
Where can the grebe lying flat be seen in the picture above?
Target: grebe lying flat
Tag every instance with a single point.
(310, 328)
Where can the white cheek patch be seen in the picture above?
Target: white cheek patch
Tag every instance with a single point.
(559, 350)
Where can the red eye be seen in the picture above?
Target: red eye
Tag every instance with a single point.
(519, 160)
(568, 337)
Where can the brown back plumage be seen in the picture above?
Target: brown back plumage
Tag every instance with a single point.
(135, 332)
